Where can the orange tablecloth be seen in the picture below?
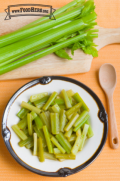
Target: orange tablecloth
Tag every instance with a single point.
(107, 166)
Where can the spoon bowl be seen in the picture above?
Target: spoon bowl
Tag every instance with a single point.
(107, 77)
(108, 80)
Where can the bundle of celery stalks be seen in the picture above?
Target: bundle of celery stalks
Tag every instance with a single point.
(54, 126)
(73, 29)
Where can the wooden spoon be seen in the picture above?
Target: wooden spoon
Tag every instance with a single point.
(108, 80)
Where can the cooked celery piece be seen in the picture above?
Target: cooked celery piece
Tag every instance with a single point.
(83, 136)
(29, 145)
(40, 134)
(49, 156)
(68, 133)
(50, 109)
(19, 132)
(70, 93)
(64, 142)
(50, 100)
(56, 108)
(56, 151)
(66, 99)
(23, 112)
(38, 122)
(56, 143)
(54, 123)
(30, 107)
(47, 113)
(72, 138)
(47, 137)
(29, 122)
(62, 106)
(81, 123)
(71, 122)
(35, 144)
(58, 101)
(65, 156)
(25, 142)
(23, 123)
(55, 128)
(78, 132)
(73, 109)
(41, 151)
(76, 145)
(26, 131)
(77, 97)
(80, 118)
(45, 120)
(39, 103)
(90, 131)
(62, 120)
(34, 115)
(36, 97)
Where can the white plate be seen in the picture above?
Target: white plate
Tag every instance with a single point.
(93, 146)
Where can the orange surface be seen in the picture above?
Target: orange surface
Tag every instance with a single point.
(107, 166)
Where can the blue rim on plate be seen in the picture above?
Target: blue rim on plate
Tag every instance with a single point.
(62, 172)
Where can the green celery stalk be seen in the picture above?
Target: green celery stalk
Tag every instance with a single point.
(58, 11)
(29, 122)
(19, 47)
(54, 123)
(25, 142)
(83, 136)
(56, 151)
(65, 156)
(45, 120)
(50, 100)
(81, 123)
(64, 142)
(40, 134)
(40, 27)
(56, 108)
(73, 109)
(80, 118)
(76, 145)
(23, 112)
(38, 122)
(23, 123)
(39, 103)
(30, 107)
(56, 143)
(19, 132)
(72, 138)
(41, 151)
(66, 99)
(49, 156)
(35, 144)
(90, 131)
(36, 97)
(62, 120)
(68, 133)
(77, 97)
(47, 137)
(39, 54)
(71, 122)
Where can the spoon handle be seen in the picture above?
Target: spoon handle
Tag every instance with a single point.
(114, 140)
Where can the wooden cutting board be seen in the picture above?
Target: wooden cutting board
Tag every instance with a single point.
(51, 64)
